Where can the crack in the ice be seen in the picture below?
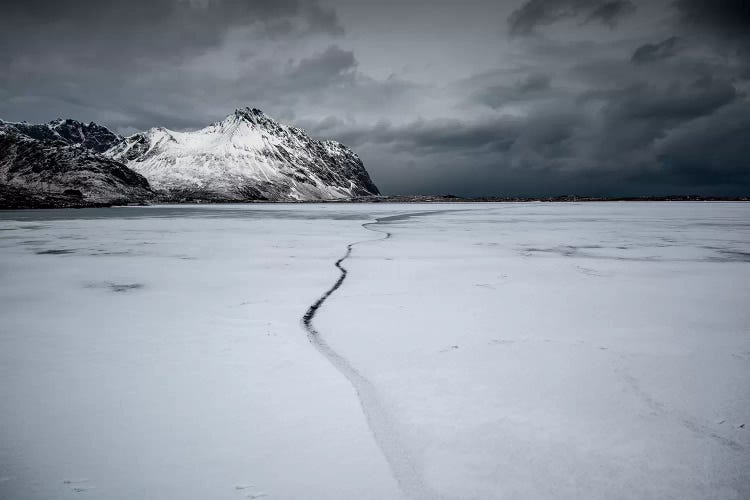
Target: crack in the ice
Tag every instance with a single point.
(404, 469)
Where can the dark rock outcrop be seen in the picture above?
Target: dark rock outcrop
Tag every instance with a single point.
(48, 172)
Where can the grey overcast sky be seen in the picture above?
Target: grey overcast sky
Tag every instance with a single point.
(472, 97)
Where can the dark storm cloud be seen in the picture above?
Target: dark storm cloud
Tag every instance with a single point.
(625, 125)
(496, 96)
(725, 26)
(111, 32)
(323, 68)
(433, 99)
(536, 13)
(676, 101)
(652, 52)
(609, 13)
(713, 149)
(534, 83)
(730, 18)
(438, 136)
(627, 140)
(139, 64)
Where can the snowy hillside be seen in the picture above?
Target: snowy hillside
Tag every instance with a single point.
(53, 172)
(247, 156)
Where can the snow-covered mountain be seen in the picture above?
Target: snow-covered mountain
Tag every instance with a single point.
(247, 156)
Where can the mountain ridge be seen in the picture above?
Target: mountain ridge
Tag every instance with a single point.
(90, 136)
(38, 174)
(247, 156)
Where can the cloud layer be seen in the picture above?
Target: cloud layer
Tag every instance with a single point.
(535, 97)
(535, 13)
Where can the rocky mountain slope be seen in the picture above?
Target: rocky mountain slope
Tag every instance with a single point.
(91, 136)
(55, 172)
(247, 156)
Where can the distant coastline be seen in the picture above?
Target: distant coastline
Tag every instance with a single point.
(522, 199)
(23, 201)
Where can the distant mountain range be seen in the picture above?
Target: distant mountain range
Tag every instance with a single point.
(246, 157)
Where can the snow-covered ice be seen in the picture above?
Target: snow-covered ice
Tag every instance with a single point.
(595, 350)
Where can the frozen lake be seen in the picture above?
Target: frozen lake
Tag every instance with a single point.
(531, 350)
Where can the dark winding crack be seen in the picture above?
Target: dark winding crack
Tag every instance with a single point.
(402, 465)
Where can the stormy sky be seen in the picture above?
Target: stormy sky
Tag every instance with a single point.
(473, 97)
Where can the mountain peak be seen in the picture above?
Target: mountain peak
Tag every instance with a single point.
(246, 156)
(250, 114)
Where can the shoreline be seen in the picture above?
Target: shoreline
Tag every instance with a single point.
(56, 203)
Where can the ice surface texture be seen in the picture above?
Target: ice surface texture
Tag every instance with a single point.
(597, 350)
